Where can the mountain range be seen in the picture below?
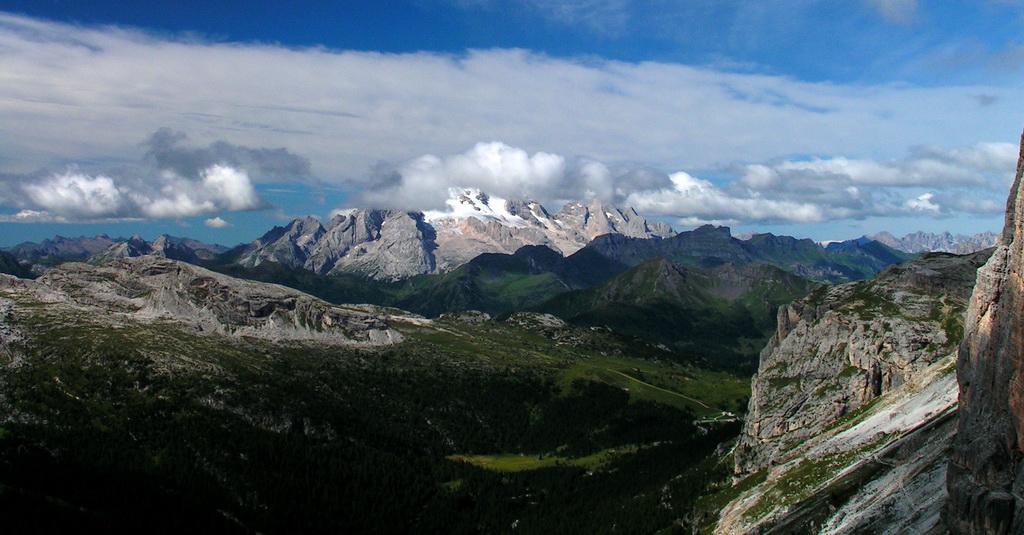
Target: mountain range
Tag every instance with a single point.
(390, 245)
(923, 242)
(701, 293)
(393, 245)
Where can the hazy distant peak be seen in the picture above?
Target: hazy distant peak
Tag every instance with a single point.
(922, 242)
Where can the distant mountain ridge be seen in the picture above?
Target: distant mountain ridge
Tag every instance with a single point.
(394, 244)
(710, 246)
(924, 242)
(174, 248)
(60, 249)
(34, 258)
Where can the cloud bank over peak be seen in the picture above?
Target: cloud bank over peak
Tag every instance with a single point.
(929, 181)
(499, 169)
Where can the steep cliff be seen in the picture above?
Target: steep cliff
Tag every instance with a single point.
(850, 419)
(986, 475)
(846, 345)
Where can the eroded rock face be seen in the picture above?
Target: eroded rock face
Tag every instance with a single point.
(843, 346)
(986, 474)
(152, 288)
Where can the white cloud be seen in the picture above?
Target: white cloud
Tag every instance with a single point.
(216, 222)
(925, 166)
(76, 196)
(229, 188)
(929, 182)
(31, 216)
(495, 167)
(508, 172)
(923, 203)
(693, 200)
(70, 93)
(73, 196)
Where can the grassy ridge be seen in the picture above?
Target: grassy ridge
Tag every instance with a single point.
(724, 314)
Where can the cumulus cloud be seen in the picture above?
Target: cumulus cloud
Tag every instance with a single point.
(423, 183)
(73, 196)
(923, 203)
(509, 172)
(216, 222)
(172, 181)
(967, 180)
(700, 200)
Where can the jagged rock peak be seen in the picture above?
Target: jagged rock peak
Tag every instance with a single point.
(986, 474)
(381, 244)
(393, 244)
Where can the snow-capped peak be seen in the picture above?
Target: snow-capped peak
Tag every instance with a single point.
(464, 203)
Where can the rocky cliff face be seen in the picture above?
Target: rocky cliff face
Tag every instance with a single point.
(846, 345)
(155, 289)
(986, 475)
(850, 419)
(381, 244)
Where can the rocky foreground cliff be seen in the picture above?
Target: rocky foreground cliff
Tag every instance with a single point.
(851, 415)
(986, 475)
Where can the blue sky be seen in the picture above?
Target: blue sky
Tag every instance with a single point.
(218, 120)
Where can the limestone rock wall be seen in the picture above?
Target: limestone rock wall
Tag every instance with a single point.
(986, 474)
(843, 346)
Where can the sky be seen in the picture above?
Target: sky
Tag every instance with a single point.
(219, 120)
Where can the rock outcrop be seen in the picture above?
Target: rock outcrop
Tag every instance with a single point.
(986, 475)
(155, 289)
(851, 417)
(846, 345)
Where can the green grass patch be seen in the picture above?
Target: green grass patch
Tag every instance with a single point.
(521, 462)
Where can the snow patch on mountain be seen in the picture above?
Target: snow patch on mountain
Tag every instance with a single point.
(464, 203)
